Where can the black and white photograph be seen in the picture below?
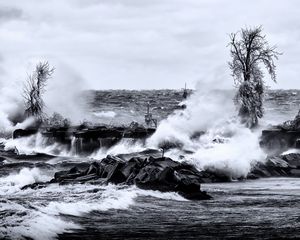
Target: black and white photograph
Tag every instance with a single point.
(149, 119)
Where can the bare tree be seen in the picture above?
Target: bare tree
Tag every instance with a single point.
(34, 89)
(250, 51)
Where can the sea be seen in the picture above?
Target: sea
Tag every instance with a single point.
(267, 208)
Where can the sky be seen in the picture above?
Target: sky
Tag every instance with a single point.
(142, 44)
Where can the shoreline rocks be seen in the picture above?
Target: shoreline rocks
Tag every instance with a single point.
(282, 137)
(164, 174)
(277, 166)
(150, 173)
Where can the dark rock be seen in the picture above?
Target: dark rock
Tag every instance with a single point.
(155, 178)
(71, 174)
(275, 141)
(161, 174)
(199, 195)
(293, 159)
(109, 164)
(36, 185)
(131, 168)
(116, 175)
(24, 132)
(94, 168)
(73, 170)
(80, 179)
(277, 166)
(87, 138)
(282, 137)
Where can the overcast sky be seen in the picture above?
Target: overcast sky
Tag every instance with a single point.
(143, 43)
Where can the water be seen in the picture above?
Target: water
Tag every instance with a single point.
(261, 209)
(123, 106)
(264, 208)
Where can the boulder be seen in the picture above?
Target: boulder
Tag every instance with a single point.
(277, 166)
(36, 185)
(161, 174)
(71, 174)
(94, 168)
(293, 159)
(18, 133)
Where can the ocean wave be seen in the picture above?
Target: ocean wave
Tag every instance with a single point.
(34, 144)
(14, 181)
(54, 203)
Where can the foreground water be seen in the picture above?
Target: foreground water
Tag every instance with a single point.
(264, 208)
(260, 209)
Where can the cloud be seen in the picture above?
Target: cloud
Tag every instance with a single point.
(144, 44)
(7, 14)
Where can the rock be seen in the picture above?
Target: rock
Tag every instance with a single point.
(109, 164)
(116, 175)
(74, 170)
(275, 141)
(131, 169)
(80, 179)
(71, 174)
(36, 185)
(85, 139)
(282, 137)
(94, 168)
(154, 178)
(24, 132)
(199, 195)
(164, 174)
(161, 174)
(293, 159)
(277, 166)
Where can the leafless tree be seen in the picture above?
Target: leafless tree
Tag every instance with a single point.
(34, 89)
(250, 51)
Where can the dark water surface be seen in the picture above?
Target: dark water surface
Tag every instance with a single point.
(259, 209)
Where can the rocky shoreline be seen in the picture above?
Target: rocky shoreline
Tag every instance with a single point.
(150, 170)
(164, 174)
(161, 174)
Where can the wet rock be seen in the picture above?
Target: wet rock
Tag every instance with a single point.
(94, 168)
(277, 166)
(116, 175)
(282, 137)
(36, 185)
(275, 141)
(161, 174)
(80, 179)
(73, 173)
(24, 132)
(293, 159)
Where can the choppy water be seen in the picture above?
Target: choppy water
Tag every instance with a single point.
(123, 106)
(264, 208)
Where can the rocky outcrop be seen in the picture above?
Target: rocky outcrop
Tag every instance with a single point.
(275, 141)
(161, 174)
(282, 137)
(278, 166)
(18, 133)
(85, 140)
